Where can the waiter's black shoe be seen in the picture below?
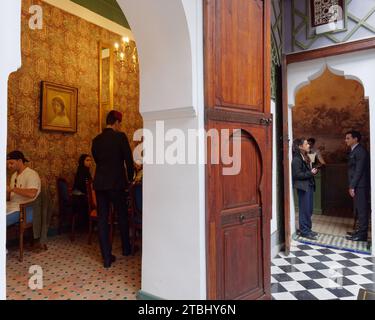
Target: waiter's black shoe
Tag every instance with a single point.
(356, 237)
(107, 264)
(127, 250)
(127, 253)
(353, 233)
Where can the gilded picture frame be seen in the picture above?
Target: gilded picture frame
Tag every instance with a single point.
(58, 107)
(106, 82)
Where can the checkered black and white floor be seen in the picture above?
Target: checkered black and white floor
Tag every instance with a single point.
(316, 273)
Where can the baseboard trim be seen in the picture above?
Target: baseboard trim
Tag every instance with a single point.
(142, 295)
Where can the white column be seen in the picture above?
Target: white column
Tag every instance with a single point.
(169, 37)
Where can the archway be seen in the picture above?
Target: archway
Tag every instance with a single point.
(352, 66)
(171, 60)
(326, 108)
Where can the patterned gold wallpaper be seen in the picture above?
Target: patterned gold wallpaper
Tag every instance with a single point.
(65, 51)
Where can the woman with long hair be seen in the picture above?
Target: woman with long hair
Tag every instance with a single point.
(80, 202)
(303, 180)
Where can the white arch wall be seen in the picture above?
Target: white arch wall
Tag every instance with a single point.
(10, 60)
(169, 36)
(359, 65)
(162, 34)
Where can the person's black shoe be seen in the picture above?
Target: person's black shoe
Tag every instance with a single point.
(127, 253)
(353, 233)
(107, 264)
(315, 234)
(357, 237)
(309, 236)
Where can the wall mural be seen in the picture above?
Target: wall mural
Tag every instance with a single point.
(326, 109)
(65, 51)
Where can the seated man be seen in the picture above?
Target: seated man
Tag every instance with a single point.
(25, 186)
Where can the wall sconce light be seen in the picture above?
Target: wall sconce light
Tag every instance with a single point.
(126, 54)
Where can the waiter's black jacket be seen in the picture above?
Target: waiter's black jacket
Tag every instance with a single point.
(111, 152)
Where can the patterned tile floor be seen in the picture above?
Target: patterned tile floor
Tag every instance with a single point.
(332, 231)
(337, 226)
(73, 271)
(316, 273)
(336, 242)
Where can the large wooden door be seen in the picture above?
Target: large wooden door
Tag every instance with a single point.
(237, 97)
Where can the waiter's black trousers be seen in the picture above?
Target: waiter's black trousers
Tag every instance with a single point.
(118, 200)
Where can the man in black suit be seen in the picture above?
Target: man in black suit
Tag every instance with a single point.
(359, 183)
(114, 171)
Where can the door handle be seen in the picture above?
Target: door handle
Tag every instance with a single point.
(265, 121)
(242, 218)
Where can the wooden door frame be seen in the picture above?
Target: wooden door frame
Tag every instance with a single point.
(298, 57)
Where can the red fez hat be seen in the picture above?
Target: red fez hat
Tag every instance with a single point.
(117, 115)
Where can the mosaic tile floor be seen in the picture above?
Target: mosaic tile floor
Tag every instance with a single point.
(337, 226)
(74, 271)
(337, 242)
(332, 232)
(316, 273)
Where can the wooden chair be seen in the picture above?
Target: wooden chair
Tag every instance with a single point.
(135, 215)
(65, 206)
(25, 223)
(93, 213)
(23, 220)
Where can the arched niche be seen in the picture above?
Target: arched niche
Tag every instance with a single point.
(355, 66)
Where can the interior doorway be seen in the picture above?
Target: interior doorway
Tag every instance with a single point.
(325, 109)
(301, 69)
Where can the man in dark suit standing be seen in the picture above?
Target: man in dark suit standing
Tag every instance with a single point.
(114, 171)
(359, 183)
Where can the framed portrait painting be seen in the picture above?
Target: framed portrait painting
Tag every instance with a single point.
(58, 110)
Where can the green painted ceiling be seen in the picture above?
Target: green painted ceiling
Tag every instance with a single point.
(106, 8)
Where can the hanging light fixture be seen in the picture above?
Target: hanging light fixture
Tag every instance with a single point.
(126, 54)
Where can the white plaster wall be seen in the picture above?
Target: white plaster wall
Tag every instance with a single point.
(359, 66)
(163, 36)
(169, 36)
(10, 60)
(173, 262)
